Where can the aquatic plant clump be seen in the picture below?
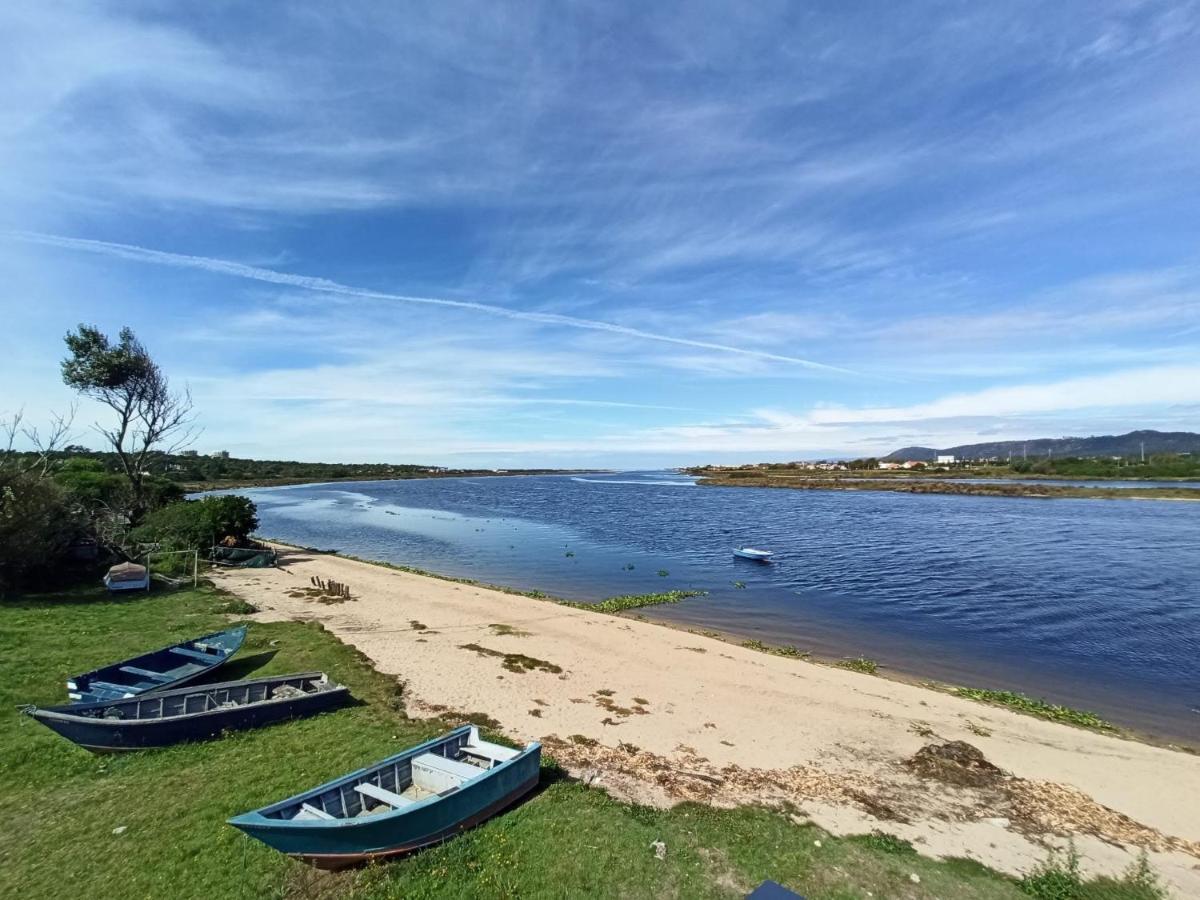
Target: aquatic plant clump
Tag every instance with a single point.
(634, 601)
(860, 664)
(1036, 707)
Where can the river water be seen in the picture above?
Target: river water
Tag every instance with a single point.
(1092, 603)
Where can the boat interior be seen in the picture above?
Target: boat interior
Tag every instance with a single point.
(153, 670)
(212, 697)
(400, 782)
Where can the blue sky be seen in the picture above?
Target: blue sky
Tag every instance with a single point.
(604, 234)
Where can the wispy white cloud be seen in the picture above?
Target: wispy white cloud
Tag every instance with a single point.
(325, 286)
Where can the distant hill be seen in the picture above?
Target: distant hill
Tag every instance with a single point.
(1104, 445)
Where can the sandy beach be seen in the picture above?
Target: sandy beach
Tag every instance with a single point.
(661, 715)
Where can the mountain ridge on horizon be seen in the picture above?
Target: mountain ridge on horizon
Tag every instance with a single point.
(1129, 444)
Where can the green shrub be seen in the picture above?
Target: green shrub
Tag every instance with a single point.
(193, 524)
(37, 526)
(1058, 878)
(90, 485)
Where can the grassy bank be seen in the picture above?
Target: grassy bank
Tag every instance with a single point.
(152, 824)
(911, 485)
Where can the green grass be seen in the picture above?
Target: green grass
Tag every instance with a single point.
(1059, 878)
(567, 840)
(1035, 707)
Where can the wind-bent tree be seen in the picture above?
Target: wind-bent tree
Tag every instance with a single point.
(124, 377)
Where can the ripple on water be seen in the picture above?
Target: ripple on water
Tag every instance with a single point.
(1105, 592)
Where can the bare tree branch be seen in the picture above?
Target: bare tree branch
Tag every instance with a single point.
(14, 463)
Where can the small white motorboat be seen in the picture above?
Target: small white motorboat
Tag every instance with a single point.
(751, 553)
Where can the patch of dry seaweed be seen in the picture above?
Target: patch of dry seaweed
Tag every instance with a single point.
(955, 762)
(968, 787)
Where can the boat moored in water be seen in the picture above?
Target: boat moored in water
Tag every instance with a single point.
(418, 797)
(751, 553)
(169, 667)
(195, 713)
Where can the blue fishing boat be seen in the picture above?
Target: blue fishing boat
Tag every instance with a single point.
(169, 667)
(418, 797)
(196, 713)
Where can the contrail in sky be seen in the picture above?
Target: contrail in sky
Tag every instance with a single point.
(324, 285)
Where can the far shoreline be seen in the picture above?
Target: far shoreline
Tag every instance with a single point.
(911, 485)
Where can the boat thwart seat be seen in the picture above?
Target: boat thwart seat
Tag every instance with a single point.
(121, 690)
(492, 754)
(437, 773)
(146, 673)
(308, 811)
(195, 654)
(383, 795)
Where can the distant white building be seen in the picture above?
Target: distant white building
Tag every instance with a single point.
(944, 459)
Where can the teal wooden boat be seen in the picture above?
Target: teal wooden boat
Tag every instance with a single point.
(418, 797)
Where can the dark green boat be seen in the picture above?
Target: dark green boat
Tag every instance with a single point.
(418, 797)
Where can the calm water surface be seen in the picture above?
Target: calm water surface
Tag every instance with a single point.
(1094, 603)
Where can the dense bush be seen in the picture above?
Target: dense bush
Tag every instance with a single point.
(199, 523)
(91, 485)
(37, 526)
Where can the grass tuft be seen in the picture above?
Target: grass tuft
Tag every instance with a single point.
(887, 843)
(238, 607)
